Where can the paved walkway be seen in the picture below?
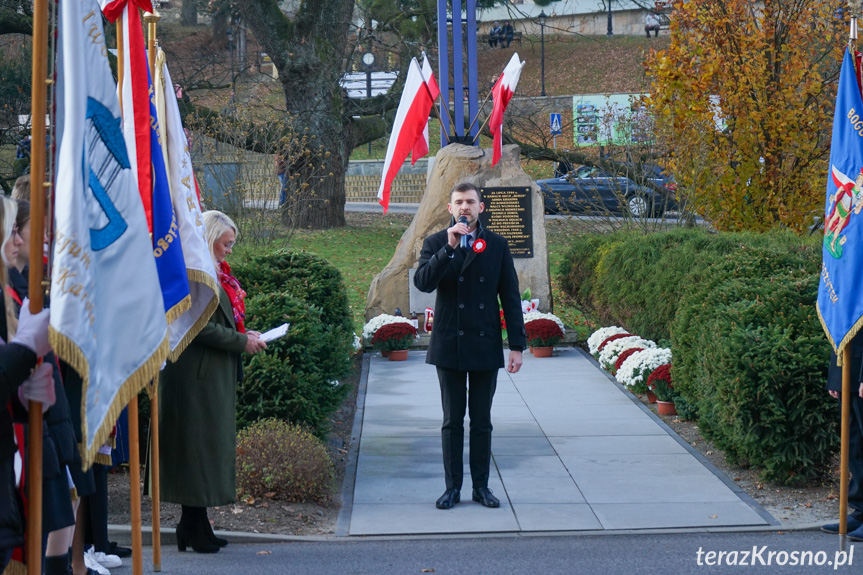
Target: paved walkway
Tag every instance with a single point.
(571, 451)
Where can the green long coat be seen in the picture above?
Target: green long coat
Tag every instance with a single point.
(197, 415)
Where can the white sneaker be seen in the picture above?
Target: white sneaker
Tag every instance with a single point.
(91, 563)
(105, 560)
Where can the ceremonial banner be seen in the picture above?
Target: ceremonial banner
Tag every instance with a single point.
(167, 245)
(840, 306)
(203, 281)
(107, 316)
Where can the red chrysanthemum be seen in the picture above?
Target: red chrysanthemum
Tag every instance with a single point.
(543, 332)
(622, 357)
(393, 336)
(610, 339)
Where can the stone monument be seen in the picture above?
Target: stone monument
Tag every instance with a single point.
(455, 163)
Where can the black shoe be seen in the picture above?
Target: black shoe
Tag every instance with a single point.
(483, 496)
(449, 498)
(194, 530)
(121, 552)
(853, 524)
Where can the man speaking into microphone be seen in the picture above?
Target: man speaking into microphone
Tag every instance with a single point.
(470, 267)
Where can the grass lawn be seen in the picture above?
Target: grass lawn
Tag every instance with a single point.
(364, 247)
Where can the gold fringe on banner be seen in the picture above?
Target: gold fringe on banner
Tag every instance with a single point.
(69, 352)
(103, 459)
(15, 568)
(845, 340)
(182, 307)
(197, 276)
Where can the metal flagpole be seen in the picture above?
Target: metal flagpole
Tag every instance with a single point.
(846, 390)
(38, 152)
(477, 114)
(134, 451)
(152, 20)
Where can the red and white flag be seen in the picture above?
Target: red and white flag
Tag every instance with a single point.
(502, 93)
(411, 116)
(421, 147)
(135, 93)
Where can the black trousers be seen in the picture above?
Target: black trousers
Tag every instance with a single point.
(855, 453)
(454, 399)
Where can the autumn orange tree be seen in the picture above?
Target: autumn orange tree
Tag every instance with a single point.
(743, 100)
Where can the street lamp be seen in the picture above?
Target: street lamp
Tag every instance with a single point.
(231, 50)
(610, 33)
(368, 64)
(542, 17)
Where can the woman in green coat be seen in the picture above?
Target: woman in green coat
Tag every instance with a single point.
(197, 404)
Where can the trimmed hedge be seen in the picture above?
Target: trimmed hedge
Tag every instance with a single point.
(750, 357)
(302, 275)
(296, 378)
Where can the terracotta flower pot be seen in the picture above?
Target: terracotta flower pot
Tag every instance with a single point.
(398, 355)
(543, 351)
(651, 397)
(665, 407)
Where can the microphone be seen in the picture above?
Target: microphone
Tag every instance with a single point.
(463, 220)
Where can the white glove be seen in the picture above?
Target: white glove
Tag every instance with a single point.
(33, 330)
(39, 387)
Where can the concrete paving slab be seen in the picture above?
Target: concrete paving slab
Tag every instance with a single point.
(571, 451)
(559, 489)
(556, 517)
(616, 445)
(667, 515)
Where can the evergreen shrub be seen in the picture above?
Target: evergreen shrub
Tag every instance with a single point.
(750, 357)
(278, 460)
(296, 378)
(304, 276)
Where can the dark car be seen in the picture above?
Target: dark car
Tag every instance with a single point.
(593, 189)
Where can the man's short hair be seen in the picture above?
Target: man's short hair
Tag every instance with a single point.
(465, 187)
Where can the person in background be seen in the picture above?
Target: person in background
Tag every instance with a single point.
(197, 404)
(466, 343)
(20, 382)
(494, 34)
(506, 34)
(651, 22)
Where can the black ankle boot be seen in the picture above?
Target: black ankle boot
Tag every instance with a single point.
(212, 536)
(193, 531)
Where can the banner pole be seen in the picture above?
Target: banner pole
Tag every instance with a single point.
(38, 154)
(134, 450)
(478, 111)
(152, 20)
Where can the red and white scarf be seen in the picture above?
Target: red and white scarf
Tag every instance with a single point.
(236, 293)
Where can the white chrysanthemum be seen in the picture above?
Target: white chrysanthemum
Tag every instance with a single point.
(376, 322)
(609, 353)
(357, 343)
(532, 315)
(637, 367)
(601, 335)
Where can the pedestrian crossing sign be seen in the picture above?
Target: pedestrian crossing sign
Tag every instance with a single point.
(555, 124)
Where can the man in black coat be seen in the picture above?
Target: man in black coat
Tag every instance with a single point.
(466, 342)
(855, 436)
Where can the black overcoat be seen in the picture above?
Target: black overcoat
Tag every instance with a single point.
(467, 335)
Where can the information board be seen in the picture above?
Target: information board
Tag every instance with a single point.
(508, 212)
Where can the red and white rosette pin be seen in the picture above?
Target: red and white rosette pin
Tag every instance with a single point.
(479, 246)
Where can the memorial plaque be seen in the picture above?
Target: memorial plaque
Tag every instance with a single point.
(508, 212)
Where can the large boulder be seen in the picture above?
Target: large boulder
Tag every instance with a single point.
(456, 163)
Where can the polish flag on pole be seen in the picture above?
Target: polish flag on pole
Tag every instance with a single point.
(411, 116)
(502, 93)
(421, 147)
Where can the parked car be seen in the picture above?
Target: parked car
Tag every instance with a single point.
(589, 188)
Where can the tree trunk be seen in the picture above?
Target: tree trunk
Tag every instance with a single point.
(220, 27)
(189, 13)
(310, 53)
